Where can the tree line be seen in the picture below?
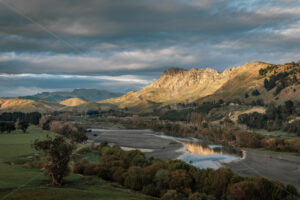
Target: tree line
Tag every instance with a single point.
(32, 118)
(275, 118)
(18, 120)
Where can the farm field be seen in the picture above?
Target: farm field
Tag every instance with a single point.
(18, 182)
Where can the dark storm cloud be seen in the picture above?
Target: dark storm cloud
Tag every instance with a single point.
(142, 37)
(89, 25)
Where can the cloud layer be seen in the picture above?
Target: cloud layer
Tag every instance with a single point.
(141, 37)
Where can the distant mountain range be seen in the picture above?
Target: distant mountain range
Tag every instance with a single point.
(84, 94)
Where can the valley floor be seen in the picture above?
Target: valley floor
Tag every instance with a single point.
(278, 166)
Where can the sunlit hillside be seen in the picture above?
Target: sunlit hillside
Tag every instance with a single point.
(198, 85)
(73, 102)
(25, 105)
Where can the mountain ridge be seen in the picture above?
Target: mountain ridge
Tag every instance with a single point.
(196, 85)
(84, 94)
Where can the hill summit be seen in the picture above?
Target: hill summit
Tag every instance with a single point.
(73, 102)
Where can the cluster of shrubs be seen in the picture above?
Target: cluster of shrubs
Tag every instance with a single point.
(258, 102)
(268, 69)
(280, 80)
(175, 179)
(280, 144)
(293, 127)
(72, 131)
(182, 115)
(255, 92)
(176, 115)
(105, 113)
(276, 118)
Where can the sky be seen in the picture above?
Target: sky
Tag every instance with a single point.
(122, 45)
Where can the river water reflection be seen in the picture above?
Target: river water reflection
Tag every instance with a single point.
(203, 155)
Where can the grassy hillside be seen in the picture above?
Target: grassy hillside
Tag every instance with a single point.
(73, 105)
(73, 102)
(18, 182)
(26, 105)
(250, 78)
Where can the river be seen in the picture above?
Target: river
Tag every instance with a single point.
(199, 153)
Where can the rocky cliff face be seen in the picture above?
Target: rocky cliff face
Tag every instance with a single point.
(180, 85)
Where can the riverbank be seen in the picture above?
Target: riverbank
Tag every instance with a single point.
(143, 140)
(285, 168)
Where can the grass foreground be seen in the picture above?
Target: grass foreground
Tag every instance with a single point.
(19, 182)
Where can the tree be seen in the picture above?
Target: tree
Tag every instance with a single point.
(162, 178)
(44, 123)
(220, 181)
(255, 92)
(134, 179)
(58, 154)
(201, 196)
(22, 124)
(245, 190)
(289, 107)
(72, 131)
(7, 126)
(181, 181)
(172, 195)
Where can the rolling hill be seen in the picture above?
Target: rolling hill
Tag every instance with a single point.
(84, 94)
(198, 85)
(26, 105)
(73, 102)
